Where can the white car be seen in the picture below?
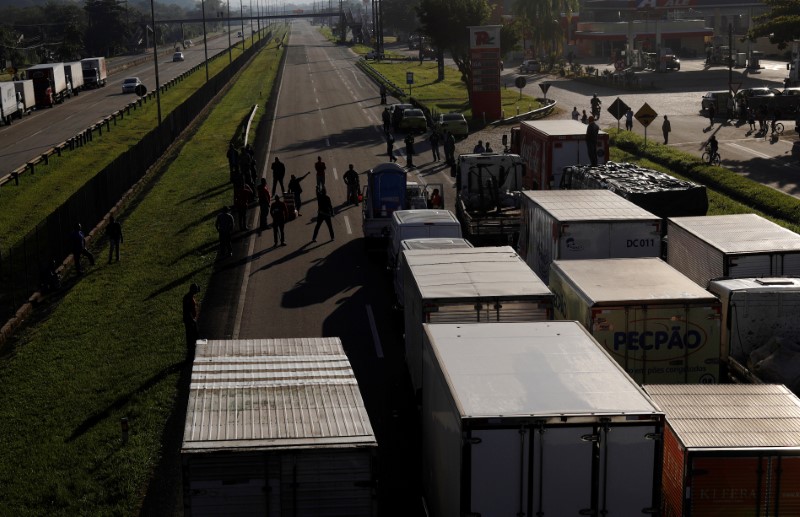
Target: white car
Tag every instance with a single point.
(129, 84)
(453, 122)
(177, 56)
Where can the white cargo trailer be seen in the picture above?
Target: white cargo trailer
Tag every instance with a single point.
(9, 106)
(584, 224)
(732, 246)
(761, 328)
(49, 83)
(25, 95)
(470, 285)
(276, 427)
(436, 243)
(657, 324)
(74, 73)
(417, 224)
(534, 419)
(95, 71)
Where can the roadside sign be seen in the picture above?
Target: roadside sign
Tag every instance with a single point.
(618, 109)
(409, 77)
(735, 87)
(544, 87)
(520, 82)
(141, 90)
(645, 115)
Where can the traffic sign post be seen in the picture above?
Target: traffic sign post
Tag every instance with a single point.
(646, 115)
(520, 83)
(618, 110)
(544, 87)
(409, 81)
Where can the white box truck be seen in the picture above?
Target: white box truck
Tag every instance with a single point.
(584, 224)
(439, 243)
(74, 73)
(534, 419)
(657, 324)
(95, 72)
(468, 285)
(276, 427)
(49, 83)
(761, 328)
(9, 105)
(25, 95)
(732, 246)
(418, 224)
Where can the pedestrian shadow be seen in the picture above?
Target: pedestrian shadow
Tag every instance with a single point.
(202, 220)
(302, 250)
(181, 281)
(209, 193)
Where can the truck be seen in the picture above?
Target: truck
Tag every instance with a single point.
(734, 246)
(74, 73)
(584, 224)
(760, 328)
(435, 243)
(9, 105)
(661, 327)
(656, 192)
(466, 285)
(510, 425)
(416, 224)
(277, 427)
(487, 197)
(547, 146)
(95, 72)
(25, 95)
(729, 449)
(49, 83)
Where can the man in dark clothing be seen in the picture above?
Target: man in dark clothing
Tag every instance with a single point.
(390, 147)
(190, 316)
(279, 215)
(352, 181)
(263, 204)
(77, 243)
(320, 167)
(387, 119)
(591, 140)
(383, 93)
(712, 112)
(114, 233)
(324, 213)
(253, 165)
(278, 173)
(409, 140)
(224, 225)
(244, 167)
(233, 159)
(434, 140)
(449, 148)
(295, 189)
(243, 196)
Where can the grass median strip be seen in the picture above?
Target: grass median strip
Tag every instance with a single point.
(112, 346)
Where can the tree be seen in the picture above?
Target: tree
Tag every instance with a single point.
(107, 32)
(445, 22)
(781, 23)
(540, 21)
(399, 15)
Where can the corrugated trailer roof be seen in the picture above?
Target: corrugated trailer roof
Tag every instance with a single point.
(740, 233)
(587, 205)
(426, 216)
(473, 273)
(632, 280)
(778, 284)
(541, 369)
(706, 416)
(261, 394)
(559, 128)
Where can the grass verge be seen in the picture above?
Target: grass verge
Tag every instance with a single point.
(113, 347)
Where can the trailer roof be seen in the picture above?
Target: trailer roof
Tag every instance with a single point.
(540, 369)
(435, 243)
(587, 205)
(631, 280)
(470, 273)
(260, 394)
(730, 415)
(739, 233)
(424, 216)
(559, 128)
(781, 284)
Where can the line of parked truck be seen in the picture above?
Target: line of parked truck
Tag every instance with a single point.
(49, 84)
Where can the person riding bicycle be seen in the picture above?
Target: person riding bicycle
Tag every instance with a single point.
(713, 147)
(595, 102)
(351, 179)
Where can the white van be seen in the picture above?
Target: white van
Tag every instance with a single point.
(419, 224)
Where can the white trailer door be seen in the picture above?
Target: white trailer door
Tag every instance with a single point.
(634, 239)
(627, 472)
(565, 153)
(791, 265)
(499, 472)
(745, 266)
(561, 483)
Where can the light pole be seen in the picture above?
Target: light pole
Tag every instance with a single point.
(230, 50)
(205, 44)
(155, 58)
(241, 15)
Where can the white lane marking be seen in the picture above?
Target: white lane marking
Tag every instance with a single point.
(375, 338)
(748, 150)
(347, 225)
(335, 176)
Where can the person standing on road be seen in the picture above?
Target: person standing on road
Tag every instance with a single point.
(324, 213)
(629, 119)
(591, 140)
(244, 167)
(390, 147)
(450, 148)
(712, 112)
(479, 149)
(224, 225)
(242, 198)
(320, 167)
(387, 119)
(278, 173)
(584, 118)
(77, 242)
(279, 215)
(576, 115)
(263, 205)
(409, 141)
(295, 189)
(666, 127)
(751, 119)
(190, 317)
(352, 181)
(114, 233)
(434, 140)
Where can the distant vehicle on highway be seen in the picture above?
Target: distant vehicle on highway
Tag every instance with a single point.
(453, 122)
(129, 84)
(239, 34)
(177, 56)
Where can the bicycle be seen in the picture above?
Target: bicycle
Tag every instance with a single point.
(777, 128)
(709, 158)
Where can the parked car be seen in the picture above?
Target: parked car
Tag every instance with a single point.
(372, 54)
(453, 122)
(530, 66)
(187, 43)
(239, 34)
(177, 56)
(129, 84)
(396, 112)
(413, 121)
(715, 99)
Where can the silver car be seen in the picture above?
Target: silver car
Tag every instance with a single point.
(129, 84)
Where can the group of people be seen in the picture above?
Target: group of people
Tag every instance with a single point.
(435, 139)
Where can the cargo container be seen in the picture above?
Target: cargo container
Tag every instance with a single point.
(74, 73)
(657, 324)
(474, 285)
(730, 450)
(49, 83)
(25, 95)
(276, 427)
(656, 192)
(584, 224)
(9, 106)
(732, 246)
(547, 146)
(439, 243)
(760, 328)
(95, 72)
(534, 419)
(415, 224)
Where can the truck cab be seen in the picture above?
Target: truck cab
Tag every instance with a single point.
(384, 193)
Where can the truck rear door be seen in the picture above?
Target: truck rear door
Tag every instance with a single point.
(498, 472)
(629, 480)
(561, 481)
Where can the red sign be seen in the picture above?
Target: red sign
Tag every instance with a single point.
(485, 61)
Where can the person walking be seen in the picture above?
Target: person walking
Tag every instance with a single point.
(409, 141)
(387, 119)
(751, 119)
(584, 118)
(712, 112)
(278, 173)
(224, 225)
(629, 119)
(279, 215)
(244, 167)
(390, 147)
(77, 242)
(434, 140)
(114, 233)
(666, 127)
(450, 148)
(233, 160)
(479, 149)
(190, 312)
(295, 189)
(263, 205)
(353, 183)
(242, 197)
(576, 115)
(324, 213)
(320, 167)
(592, 131)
